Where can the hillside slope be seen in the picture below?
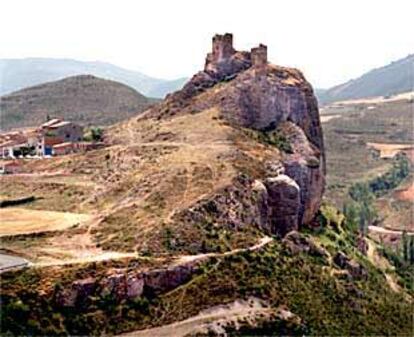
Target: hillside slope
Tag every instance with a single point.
(394, 78)
(85, 99)
(16, 74)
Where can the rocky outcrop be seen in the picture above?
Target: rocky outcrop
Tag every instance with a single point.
(298, 243)
(76, 293)
(355, 269)
(127, 284)
(257, 95)
(292, 191)
(306, 166)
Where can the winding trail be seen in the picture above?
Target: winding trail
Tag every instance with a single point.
(189, 258)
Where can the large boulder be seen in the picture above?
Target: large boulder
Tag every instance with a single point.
(283, 203)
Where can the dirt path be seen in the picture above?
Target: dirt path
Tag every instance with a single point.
(188, 258)
(383, 230)
(211, 319)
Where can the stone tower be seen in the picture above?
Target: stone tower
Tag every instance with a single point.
(259, 55)
(222, 47)
(219, 60)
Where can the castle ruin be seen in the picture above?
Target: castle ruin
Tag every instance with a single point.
(224, 58)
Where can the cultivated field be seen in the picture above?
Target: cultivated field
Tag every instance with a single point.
(14, 221)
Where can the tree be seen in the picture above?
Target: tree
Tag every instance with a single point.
(351, 211)
(405, 246)
(96, 134)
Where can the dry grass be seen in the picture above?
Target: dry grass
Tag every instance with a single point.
(150, 172)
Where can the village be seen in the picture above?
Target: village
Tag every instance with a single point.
(55, 137)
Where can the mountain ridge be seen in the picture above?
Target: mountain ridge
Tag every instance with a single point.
(393, 78)
(16, 74)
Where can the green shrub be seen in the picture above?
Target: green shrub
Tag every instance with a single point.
(275, 138)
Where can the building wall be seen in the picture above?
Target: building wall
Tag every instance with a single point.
(69, 132)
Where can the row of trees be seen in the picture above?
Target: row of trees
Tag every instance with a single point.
(391, 179)
(360, 211)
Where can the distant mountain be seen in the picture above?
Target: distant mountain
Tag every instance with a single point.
(394, 78)
(16, 74)
(164, 88)
(85, 99)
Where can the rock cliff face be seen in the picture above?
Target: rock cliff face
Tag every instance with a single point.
(126, 284)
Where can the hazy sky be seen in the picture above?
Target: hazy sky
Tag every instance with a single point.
(330, 41)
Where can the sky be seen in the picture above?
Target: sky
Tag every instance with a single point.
(330, 41)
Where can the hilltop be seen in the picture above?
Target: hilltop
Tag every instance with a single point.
(16, 74)
(205, 209)
(394, 78)
(85, 99)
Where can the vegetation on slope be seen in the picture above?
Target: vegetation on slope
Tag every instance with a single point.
(328, 300)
